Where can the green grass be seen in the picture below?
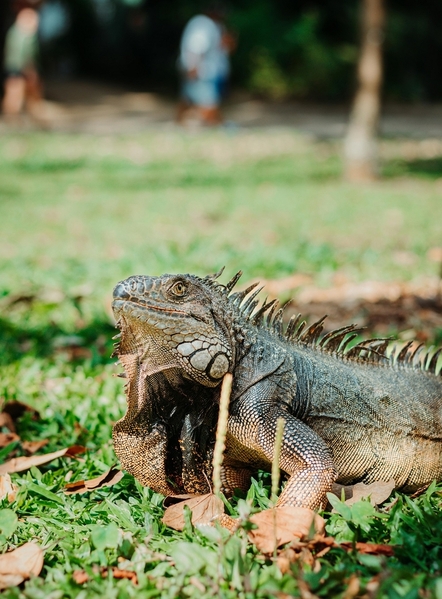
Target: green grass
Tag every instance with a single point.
(80, 213)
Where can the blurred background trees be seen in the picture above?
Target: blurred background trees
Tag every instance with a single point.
(303, 50)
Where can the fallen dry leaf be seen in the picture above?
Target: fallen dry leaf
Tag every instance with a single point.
(117, 573)
(24, 463)
(7, 422)
(304, 590)
(20, 564)
(353, 586)
(80, 576)
(372, 548)
(32, 447)
(16, 409)
(282, 525)
(6, 438)
(376, 492)
(7, 488)
(173, 499)
(107, 479)
(205, 508)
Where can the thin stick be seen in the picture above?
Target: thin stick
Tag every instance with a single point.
(280, 423)
(221, 429)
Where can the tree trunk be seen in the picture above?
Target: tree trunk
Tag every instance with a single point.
(360, 145)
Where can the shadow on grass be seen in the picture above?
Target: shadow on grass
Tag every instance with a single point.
(429, 168)
(90, 342)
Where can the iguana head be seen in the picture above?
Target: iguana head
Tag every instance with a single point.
(174, 321)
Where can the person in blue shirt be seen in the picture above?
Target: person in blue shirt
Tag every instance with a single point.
(204, 65)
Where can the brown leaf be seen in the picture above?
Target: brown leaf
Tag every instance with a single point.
(117, 573)
(173, 499)
(283, 525)
(7, 438)
(376, 492)
(372, 548)
(107, 479)
(204, 509)
(24, 463)
(304, 590)
(32, 447)
(20, 564)
(353, 586)
(16, 409)
(80, 576)
(7, 422)
(7, 488)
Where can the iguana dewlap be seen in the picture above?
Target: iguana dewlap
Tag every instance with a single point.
(350, 414)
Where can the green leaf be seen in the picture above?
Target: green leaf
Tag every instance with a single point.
(339, 506)
(362, 514)
(373, 562)
(45, 493)
(105, 537)
(8, 522)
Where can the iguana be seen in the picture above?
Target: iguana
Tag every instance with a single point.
(350, 414)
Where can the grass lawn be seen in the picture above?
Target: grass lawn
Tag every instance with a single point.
(80, 213)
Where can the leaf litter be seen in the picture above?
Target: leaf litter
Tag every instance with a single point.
(107, 479)
(205, 509)
(7, 488)
(281, 525)
(20, 564)
(377, 492)
(25, 463)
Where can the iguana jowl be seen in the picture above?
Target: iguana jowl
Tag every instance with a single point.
(351, 415)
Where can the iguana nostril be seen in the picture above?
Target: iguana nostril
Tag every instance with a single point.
(120, 291)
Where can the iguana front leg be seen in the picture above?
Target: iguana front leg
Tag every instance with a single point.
(304, 455)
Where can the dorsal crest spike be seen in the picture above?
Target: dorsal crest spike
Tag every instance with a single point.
(414, 353)
(271, 312)
(248, 310)
(434, 359)
(327, 342)
(298, 332)
(249, 289)
(404, 351)
(257, 317)
(369, 349)
(277, 321)
(233, 281)
(291, 327)
(238, 297)
(311, 335)
(334, 342)
(251, 298)
(215, 275)
(346, 340)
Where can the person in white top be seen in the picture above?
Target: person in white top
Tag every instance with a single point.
(204, 65)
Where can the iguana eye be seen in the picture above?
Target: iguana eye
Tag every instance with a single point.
(179, 289)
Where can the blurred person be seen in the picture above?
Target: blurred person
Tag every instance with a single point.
(22, 84)
(204, 65)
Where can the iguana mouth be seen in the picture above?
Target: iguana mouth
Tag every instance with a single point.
(118, 303)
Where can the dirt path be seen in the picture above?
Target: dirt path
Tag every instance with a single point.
(93, 107)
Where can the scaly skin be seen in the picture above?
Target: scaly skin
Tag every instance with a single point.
(355, 416)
